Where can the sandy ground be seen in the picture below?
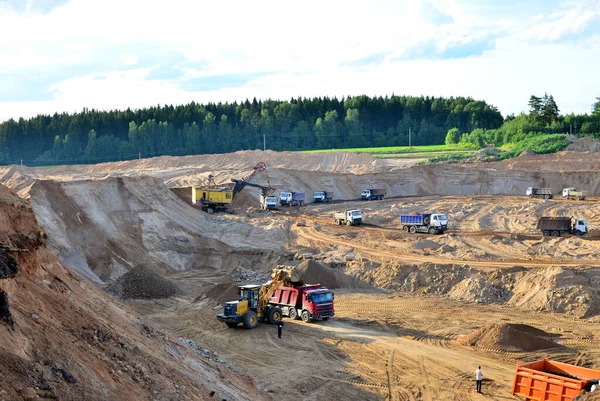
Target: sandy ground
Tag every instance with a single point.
(404, 303)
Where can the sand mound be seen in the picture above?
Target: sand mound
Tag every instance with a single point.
(313, 272)
(585, 145)
(223, 292)
(477, 289)
(510, 337)
(142, 283)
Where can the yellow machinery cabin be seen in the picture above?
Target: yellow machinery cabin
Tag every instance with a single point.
(211, 196)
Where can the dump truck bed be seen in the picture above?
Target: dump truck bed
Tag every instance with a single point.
(547, 380)
(554, 223)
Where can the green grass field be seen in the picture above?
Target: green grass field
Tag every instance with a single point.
(405, 151)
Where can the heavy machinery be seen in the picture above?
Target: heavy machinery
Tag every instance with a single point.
(217, 198)
(372, 194)
(323, 197)
(308, 302)
(291, 198)
(348, 217)
(547, 380)
(253, 304)
(267, 201)
(432, 223)
(556, 226)
(545, 193)
(573, 193)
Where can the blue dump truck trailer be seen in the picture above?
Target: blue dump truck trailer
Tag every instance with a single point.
(432, 223)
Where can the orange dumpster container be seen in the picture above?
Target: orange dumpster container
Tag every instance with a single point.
(547, 380)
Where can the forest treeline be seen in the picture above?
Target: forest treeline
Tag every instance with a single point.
(93, 136)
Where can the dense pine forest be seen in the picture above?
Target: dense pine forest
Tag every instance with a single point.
(93, 136)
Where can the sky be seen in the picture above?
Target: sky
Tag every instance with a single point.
(64, 55)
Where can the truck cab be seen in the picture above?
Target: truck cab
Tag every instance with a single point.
(349, 217)
(529, 191)
(580, 227)
(323, 196)
(372, 194)
(566, 192)
(317, 302)
(285, 198)
(268, 202)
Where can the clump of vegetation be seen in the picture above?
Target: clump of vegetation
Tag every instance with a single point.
(540, 144)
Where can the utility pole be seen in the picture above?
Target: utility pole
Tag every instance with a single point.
(264, 141)
(139, 155)
(21, 162)
(409, 139)
(571, 129)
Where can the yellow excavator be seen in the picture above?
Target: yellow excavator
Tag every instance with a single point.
(252, 305)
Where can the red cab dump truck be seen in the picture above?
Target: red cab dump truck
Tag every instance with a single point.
(547, 380)
(307, 301)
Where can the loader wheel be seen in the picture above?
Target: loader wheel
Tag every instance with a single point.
(305, 316)
(405, 229)
(555, 234)
(274, 315)
(546, 233)
(431, 230)
(231, 325)
(293, 313)
(413, 229)
(250, 320)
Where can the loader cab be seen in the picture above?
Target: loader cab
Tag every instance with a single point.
(249, 293)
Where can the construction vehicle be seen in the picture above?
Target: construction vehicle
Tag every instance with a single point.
(218, 198)
(372, 194)
(348, 217)
(311, 301)
(253, 304)
(573, 193)
(268, 202)
(291, 198)
(323, 197)
(545, 193)
(547, 380)
(432, 223)
(556, 226)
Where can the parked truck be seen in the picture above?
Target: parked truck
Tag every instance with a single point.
(348, 217)
(432, 223)
(307, 302)
(268, 202)
(546, 193)
(573, 193)
(372, 194)
(291, 198)
(323, 197)
(555, 226)
(547, 380)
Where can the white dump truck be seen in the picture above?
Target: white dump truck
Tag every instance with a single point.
(268, 202)
(573, 193)
(348, 217)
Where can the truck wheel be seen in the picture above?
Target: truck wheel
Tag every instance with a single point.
(555, 234)
(546, 233)
(432, 230)
(348, 222)
(546, 196)
(293, 313)
(305, 316)
(580, 198)
(338, 222)
(250, 320)
(413, 229)
(405, 229)
(274, 315)
(578, 233)
(231, 325)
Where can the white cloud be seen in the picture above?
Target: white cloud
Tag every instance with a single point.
(306, 49)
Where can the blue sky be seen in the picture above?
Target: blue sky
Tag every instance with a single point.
(64, 55)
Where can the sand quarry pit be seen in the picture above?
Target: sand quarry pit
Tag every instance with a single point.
(415, 313)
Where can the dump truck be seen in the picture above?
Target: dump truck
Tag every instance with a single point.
(268, 202)
(547, 380)
(291, 198)
(323, 197)
(432, 223)
(307, 302)
(546, 193)
(555, 226)
(573, 193)
(372, 194)
(348, 217)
